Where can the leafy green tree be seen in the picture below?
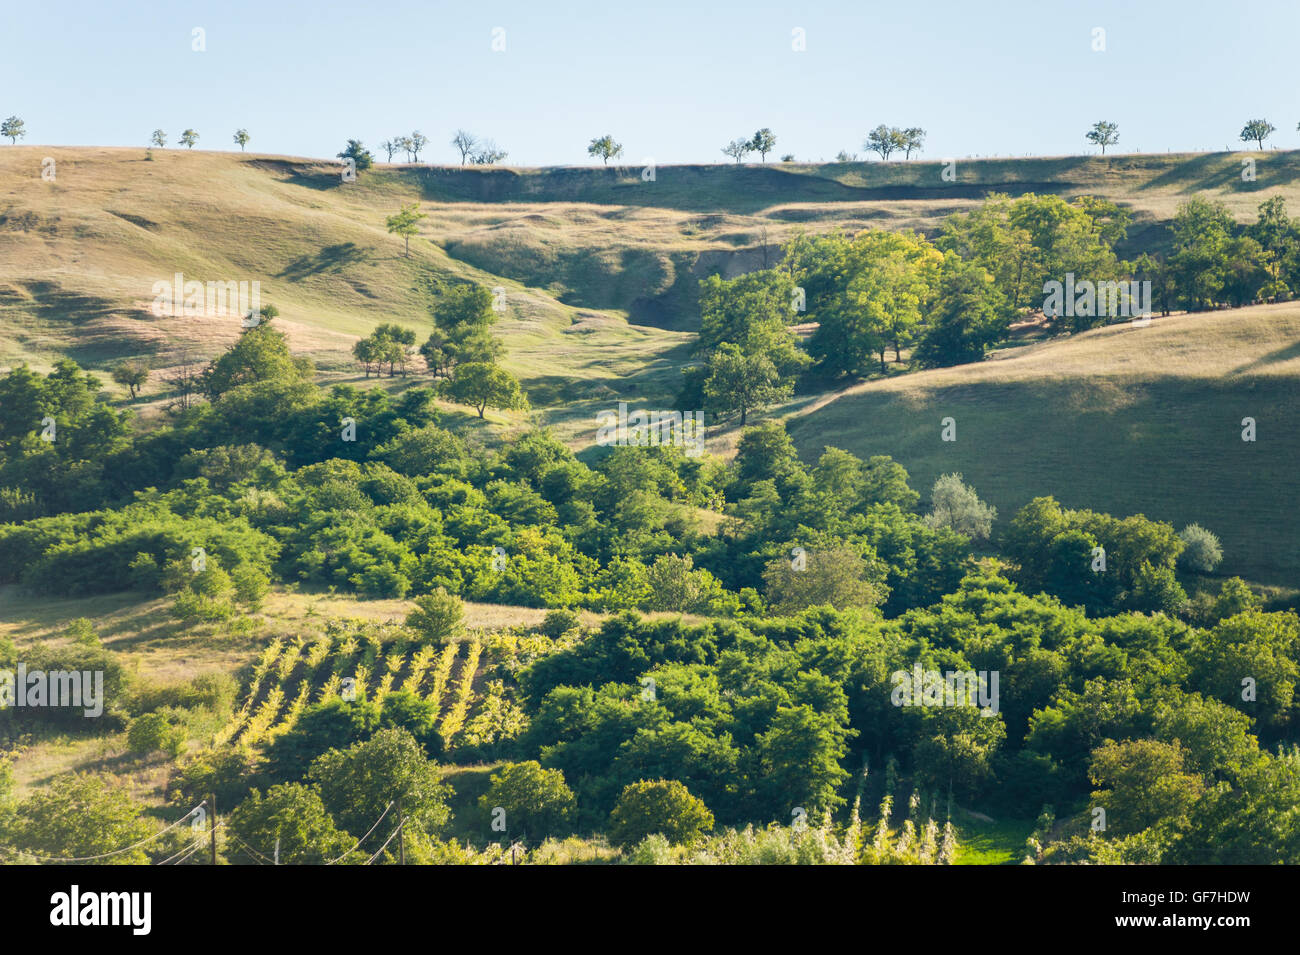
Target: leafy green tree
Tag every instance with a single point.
(912, 140)
(1279, 236)
(880, 285)
(537, 802)
(357, 784)
(751, 311)
(1235, 596)
(738, 149)
(436, 353)
(764, 142)
(1202, 230)
(883, 140)
(662, 806)
(956, 746)
(969, 315)
(1201, 549)
(1103, 134)
(676, 585)
(13, 129)
(605, 148)
(955, 505)
(241, 137)
(834, 576)
(436, 617)
(1215, 739)
(1030, 240)
(359, 154)
(368, 352)
(158, 138)
(481, 385)
(289, 824)
(799, 757)
(463, 306)
(154, 732)
(1143, 783)
(1250, 662)
(79, 815)
(740, 383)
(260, 355)
(189, 138)
(1251, 823)
(406, 223)
(131, 375)
(1256, 131)
(388, 344)
(251, 586)
(330, 724)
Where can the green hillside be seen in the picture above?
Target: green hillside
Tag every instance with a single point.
(1122, 419)
(600, 268)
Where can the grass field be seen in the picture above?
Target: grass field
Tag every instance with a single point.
(1123, 419)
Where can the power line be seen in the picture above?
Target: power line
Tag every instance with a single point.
(371, 860)
(118, 852)
(258, 856)
(365, 837)
(198, 844)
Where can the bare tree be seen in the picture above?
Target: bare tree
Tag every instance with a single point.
(418, 141)
(186, 380)
(465, 142)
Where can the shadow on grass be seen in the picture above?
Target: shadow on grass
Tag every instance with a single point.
(332, 258)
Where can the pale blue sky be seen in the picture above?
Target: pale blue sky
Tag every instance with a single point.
(672, 80)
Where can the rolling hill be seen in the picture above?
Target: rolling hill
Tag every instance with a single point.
(600, 268)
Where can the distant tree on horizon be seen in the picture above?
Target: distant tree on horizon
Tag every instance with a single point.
(883, 140)
(737, 149)
(358, 153)
(159, 139)
(389, 146)
(764, 142)
(1257, 130)
(488, 154)
(418, 141)
(912, 138)
(465, 142)
(1103, 134)
(605, 148)
(13, 129)
(189, 138)
(241, 137)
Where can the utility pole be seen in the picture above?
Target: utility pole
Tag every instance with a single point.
(212, 829)
(401, 834)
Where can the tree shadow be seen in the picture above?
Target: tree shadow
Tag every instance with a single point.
(1272, 358)
(332, 258)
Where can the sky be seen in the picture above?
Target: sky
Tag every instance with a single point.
(672, 80)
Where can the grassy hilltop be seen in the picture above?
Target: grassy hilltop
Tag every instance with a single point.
(601, 266)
